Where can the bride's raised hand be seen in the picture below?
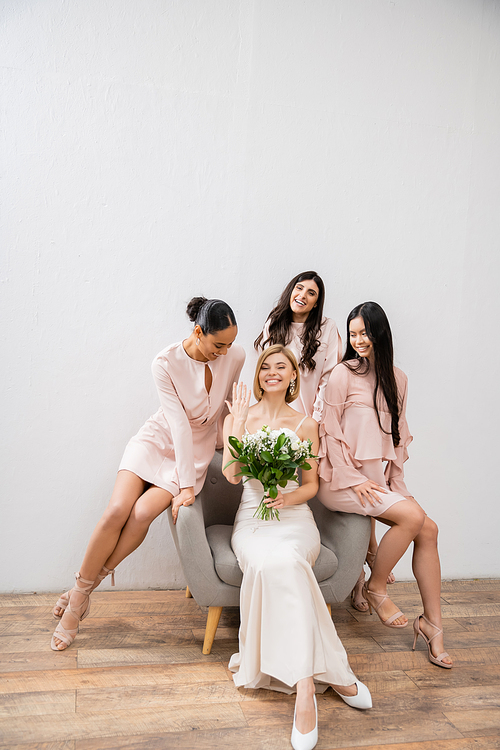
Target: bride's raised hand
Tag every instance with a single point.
(241, 403)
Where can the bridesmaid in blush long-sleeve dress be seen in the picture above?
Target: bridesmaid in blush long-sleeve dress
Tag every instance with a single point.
(364, 441)
(167, 461)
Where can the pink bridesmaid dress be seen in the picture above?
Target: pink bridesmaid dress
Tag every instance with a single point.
(175, 446)
(353, 448)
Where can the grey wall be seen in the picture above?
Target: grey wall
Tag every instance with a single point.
(156, 150)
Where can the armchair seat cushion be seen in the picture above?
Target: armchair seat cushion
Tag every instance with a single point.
(226, 564)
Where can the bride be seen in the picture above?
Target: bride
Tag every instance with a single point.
(287, 640)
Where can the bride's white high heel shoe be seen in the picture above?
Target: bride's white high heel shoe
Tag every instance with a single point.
(305, 741)
(362, 699)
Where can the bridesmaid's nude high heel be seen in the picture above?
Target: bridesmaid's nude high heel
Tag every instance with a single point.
(389, 623)
(68, 635)
(433, 659)
(63, 600)
(305, 741)
(357, 599)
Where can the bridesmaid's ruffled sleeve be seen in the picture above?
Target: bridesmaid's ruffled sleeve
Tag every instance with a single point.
(179, 425)
(337, 465)
(333, 357)
(394, 471)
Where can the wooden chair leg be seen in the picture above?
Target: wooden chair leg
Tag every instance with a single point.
(213, 618)
(188, 593)
(329, 609)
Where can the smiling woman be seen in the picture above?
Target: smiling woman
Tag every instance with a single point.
(167, 461)
(287, 640)
(297, 322)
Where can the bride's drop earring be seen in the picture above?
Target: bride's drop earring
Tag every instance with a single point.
(291, 387)
(198, 341)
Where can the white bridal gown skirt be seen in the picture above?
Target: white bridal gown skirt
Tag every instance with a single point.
(286, 631)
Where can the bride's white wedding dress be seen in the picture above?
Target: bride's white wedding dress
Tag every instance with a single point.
(286, 631)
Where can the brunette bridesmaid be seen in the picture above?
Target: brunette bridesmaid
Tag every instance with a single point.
(297, 322)
(166, 462)
(364, 441)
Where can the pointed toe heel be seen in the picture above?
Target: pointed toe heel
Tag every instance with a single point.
(305, 741)
(362, 699)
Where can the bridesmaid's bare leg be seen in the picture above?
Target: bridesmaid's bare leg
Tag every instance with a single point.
(406, 519)
(153, 502)
(128, 488)
(373, 548)
(427, 571)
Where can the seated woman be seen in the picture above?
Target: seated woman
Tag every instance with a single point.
(364, 440)
(287, 640)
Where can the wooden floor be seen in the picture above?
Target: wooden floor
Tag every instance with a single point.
(136, 678)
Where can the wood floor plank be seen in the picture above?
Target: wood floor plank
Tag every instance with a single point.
(473, 743)
(65, 745)
(135, 676)
(479, 623)
(476, 720)
(455, 639)
(407, 660)
(117, 657)
(37, 704)
(132, 698)
(492, 596)
(27, 662)
(83, 725)
(257, 738)
(460, 676)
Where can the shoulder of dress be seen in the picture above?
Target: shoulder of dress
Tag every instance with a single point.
(400, 375)
(170, 351)
(237, 352)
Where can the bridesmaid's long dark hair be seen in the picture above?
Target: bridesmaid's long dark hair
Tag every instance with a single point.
(378, 331)
(281, 318)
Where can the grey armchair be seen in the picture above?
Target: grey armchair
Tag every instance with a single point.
(202, 537)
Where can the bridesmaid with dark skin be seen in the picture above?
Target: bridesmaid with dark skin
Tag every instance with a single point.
(166, 462)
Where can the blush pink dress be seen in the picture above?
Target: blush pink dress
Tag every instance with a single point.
(175, 446)
(313, 382)
(353, 448)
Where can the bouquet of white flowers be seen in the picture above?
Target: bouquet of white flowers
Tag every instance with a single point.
(272, 457)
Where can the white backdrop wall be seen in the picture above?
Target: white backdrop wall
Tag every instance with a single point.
(161, 149)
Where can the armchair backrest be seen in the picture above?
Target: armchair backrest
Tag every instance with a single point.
(220, 498)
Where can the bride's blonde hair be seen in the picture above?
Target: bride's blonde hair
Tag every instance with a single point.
(277, 349)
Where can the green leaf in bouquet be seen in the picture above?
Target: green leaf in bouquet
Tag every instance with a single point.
(305, 466)
(278, 473)
(273, 492)
(236, 444)
(266, 456)
(284, 457)
(279, 443)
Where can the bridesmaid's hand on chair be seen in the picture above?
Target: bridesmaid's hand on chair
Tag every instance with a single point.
(366, 491)
(185, 497)
(241, 403)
